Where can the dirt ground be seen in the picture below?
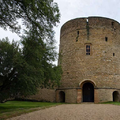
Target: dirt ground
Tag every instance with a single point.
(75, 112)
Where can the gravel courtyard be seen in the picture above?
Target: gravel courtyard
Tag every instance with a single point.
(75, 112)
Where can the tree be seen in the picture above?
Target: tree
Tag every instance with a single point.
(40, 56)
(8, 74)
(32, 66)
(23, 71)
(39, 15)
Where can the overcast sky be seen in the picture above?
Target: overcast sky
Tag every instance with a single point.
(71, 9)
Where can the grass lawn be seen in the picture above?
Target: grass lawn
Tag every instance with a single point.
(114, 103)
(14, 108)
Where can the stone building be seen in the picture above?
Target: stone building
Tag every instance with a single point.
(90, 60)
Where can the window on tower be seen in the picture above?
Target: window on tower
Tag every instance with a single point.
(87, 49)
(112, 24)
(106, 39)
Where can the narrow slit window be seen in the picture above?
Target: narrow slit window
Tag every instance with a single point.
(106, 39)
(113, 54)
(112, 24)
(77, 36)
(87, 49)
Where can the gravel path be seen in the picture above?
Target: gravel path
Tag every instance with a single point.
(74, 112)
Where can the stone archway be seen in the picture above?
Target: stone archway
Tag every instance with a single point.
(88, 92)
(115, 96)
(62, 96)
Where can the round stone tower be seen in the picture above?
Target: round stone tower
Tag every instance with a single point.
(90, 60)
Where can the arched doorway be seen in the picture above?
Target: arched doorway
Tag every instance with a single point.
(88, 92)
(62, 96)
(115, 96)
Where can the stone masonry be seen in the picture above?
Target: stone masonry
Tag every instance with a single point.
(90, 60)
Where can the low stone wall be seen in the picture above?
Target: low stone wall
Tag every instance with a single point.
(47, 95)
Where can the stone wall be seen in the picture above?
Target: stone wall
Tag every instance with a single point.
(102, 66)
(47, 95)
(71, 96)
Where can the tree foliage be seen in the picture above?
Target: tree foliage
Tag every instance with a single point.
(8, 75)
(23, 70)
(39, 57)
(41, 15)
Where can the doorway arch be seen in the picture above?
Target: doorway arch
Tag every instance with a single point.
(62, 96)
(88, 92)
(115, 96)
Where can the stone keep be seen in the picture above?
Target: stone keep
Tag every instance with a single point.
(90, 60)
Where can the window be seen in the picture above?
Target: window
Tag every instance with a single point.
(106, 39)
(77, 36)
(87, 49)
(113, 54)
(112, 24)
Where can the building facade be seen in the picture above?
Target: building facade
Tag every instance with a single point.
(90, 60)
